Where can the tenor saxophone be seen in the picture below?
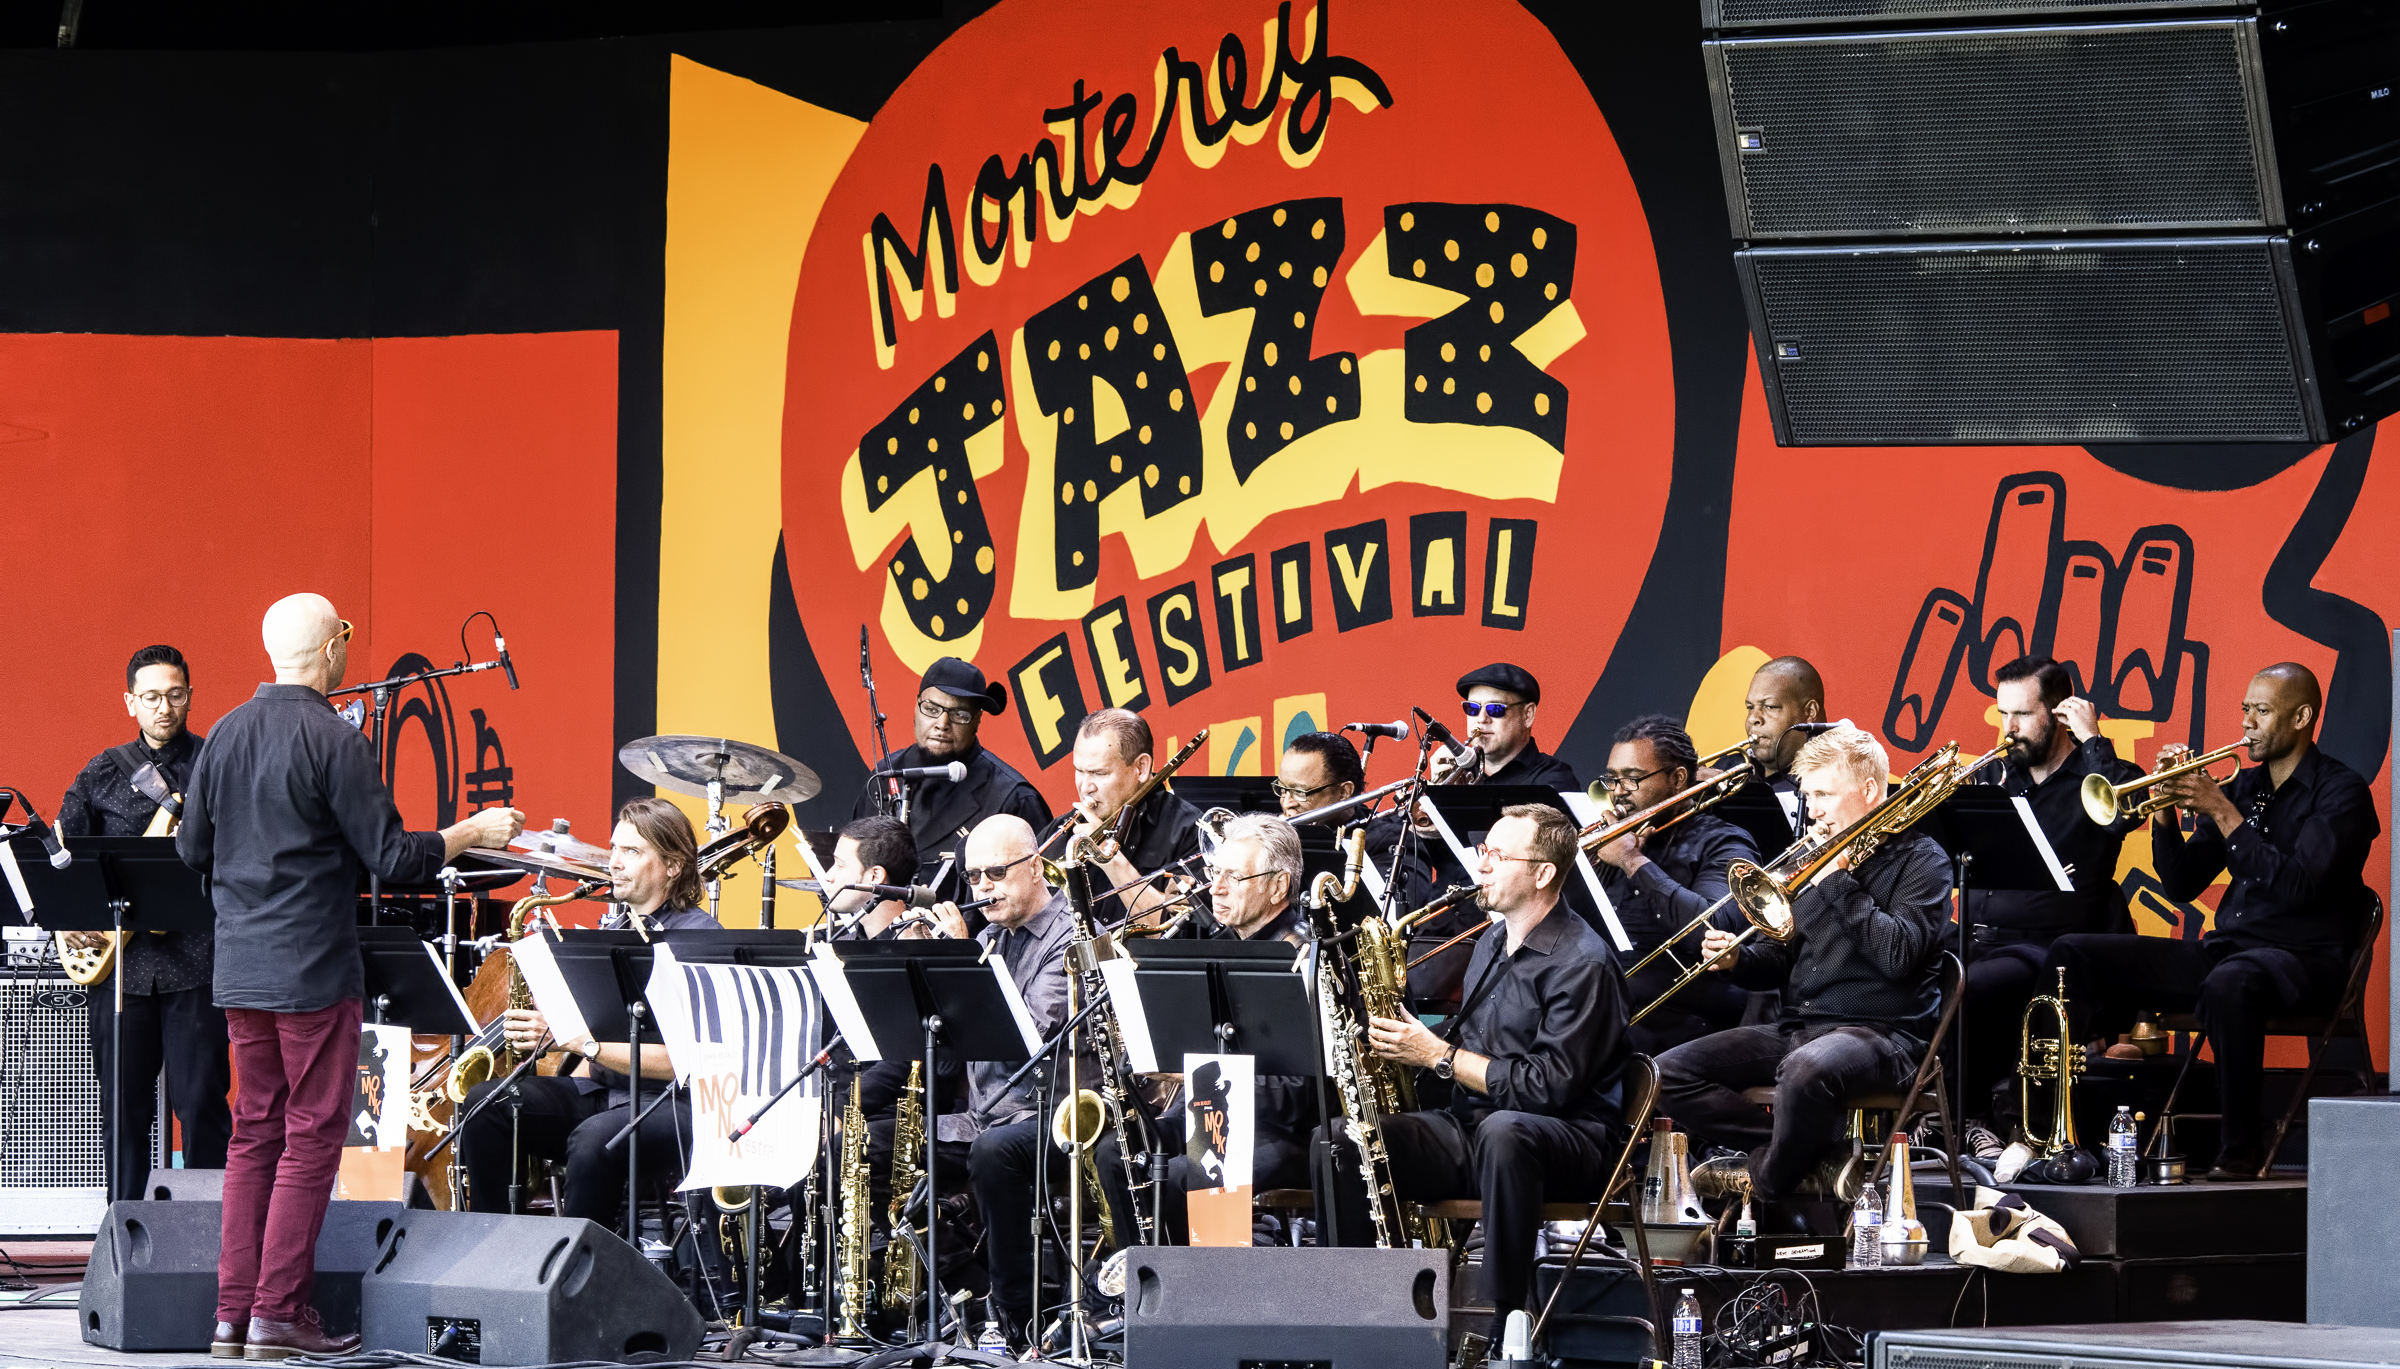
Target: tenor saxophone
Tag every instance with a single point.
(1086, 952)
(858, 1195)
(903, 1276)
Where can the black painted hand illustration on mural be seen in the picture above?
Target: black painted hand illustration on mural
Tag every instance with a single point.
(2116, 623)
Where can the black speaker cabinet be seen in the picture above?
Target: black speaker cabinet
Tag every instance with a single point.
(1205, 1307)
(186, 1185)
(152, 1281)
(490, 1289)
(2071, 222)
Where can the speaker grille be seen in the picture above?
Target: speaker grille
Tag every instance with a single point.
(2140, 126)
(2082, 342)
(1760, 13)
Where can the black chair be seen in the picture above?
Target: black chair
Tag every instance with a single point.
(1641, 1099)
(2347, 1020)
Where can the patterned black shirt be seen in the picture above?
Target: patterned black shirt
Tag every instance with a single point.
(102, 802)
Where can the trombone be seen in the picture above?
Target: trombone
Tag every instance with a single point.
(1087, 851)
(1604, 831)
(1766, 894)
(2104, 803)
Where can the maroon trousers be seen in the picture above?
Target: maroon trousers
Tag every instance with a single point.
(294, 1077)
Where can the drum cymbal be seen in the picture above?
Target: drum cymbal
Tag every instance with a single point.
(533, 863)
(749, 774)
(561, 845)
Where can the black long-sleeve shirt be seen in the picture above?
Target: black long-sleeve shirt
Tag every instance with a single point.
(939, 811)
(1163, 829)
(1866, 945)
(2296, 860)
(2098, 903)
(1686, 874)
(102, 802)
(1553, 1025)
(284, 813)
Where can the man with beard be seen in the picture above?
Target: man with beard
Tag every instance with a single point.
(951, 702)
(2053, 742)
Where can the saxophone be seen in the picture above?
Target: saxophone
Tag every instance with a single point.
(1352, 1079)
(1085, 952)
(858, 1195)
(903, 1276)
(489, 1056)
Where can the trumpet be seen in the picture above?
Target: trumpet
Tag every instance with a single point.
(2051, 1058)
(1698, 795)
(2104, 803)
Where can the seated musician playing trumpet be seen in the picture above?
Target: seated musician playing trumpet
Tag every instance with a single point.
(1860, 991)
(1535, 1059)
(2293, 831)
(653, 867)
(1659, 881)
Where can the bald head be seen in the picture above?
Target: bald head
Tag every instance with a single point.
(1017, 891)
(296, 626)
(1784, 691)
(2295, 687)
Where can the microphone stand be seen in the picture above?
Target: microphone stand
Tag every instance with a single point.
(884, 795)
(382, 692)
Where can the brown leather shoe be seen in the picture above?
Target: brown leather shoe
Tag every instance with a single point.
(225, 1342)
(271, 1340)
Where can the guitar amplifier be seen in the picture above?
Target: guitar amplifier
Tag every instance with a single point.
(50, 1167)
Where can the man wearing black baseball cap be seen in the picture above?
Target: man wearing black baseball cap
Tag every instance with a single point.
(951, 702)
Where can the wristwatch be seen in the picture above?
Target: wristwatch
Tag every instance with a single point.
(1442, 1068)
(591, 1048)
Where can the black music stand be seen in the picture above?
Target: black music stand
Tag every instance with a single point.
(913, 999)
(1755, 809)
(608, 972)
(1219, 998)
(1472, 809)
(1240, 793)
(125, 885)
(1994, 844)
(407, 986)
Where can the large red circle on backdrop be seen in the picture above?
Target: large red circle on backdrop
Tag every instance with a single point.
(1484, 110)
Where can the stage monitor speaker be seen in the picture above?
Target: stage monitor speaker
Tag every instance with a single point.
(2175, 229)
(1220, 1308)
(186, 1186)
(152, 1280)
(489, 1289)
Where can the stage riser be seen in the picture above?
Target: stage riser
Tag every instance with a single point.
(2169, 1222)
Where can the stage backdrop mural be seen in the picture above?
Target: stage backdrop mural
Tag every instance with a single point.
(1256, 366)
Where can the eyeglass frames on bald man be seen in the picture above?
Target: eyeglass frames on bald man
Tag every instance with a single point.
(992, 874)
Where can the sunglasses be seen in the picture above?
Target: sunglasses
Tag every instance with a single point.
(992, 874)
(343, 635)
(1476, 710)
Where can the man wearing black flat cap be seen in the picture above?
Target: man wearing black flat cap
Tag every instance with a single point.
(951, 702)
(1500, 701)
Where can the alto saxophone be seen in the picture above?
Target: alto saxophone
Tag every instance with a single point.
(489, 1056)
(1085, 952)
(903, 1275)
(858, 1195)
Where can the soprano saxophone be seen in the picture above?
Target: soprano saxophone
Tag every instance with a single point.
(858, 1195)
(903, 1276)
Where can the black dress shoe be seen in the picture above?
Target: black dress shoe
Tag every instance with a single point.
(225, 1342)
(271, 1340)
(2234, 1167)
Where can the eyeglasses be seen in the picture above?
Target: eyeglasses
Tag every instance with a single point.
(1484, 852)
(992, 874)
(1222, 877)
(343, 635)
(1485, 710)
(930, 710)
(1293, 791)
(1619, 782)
(154, 700)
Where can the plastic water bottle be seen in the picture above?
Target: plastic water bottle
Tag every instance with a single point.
(1687, 1331)
(1866, 1231)
(992, 1339)
(2123, 1144)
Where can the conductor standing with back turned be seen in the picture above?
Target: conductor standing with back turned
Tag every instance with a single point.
(286, 809)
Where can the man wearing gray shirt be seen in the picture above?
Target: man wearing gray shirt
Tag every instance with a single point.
(1029, 926)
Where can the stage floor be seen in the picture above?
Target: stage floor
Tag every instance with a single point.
(45, 1335)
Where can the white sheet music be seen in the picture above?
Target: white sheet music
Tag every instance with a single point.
(16, 879)
(549, 988)
(1016, 1001)
(825, 968)
(1132, 1022)
(457, 999)
(1586, 813)
(2049, 856)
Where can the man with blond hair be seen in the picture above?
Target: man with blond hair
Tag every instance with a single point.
(1860, 990)
(285, 812)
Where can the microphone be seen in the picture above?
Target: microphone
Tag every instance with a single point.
(60, 856)
(500, 645)
(955, 772)
(1397, 731)
(1435, 730)
(914, 895)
